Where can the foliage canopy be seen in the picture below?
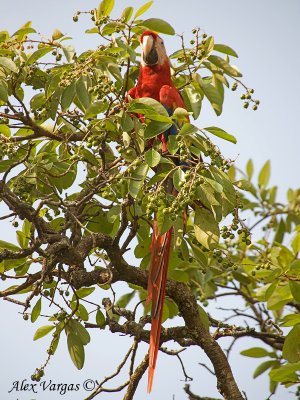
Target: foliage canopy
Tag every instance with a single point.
(80, 185)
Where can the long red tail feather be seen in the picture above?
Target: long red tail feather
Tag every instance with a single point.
(158, 271)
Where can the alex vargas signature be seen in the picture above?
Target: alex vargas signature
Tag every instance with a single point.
(62, 388)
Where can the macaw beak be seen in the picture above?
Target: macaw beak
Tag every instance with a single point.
(150, 56)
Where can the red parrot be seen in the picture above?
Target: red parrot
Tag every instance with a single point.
(155, 81)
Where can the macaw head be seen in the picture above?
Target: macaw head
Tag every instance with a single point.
(153, 49)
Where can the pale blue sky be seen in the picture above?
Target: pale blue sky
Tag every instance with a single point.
(266, 35)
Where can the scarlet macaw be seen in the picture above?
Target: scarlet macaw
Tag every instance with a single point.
(155, 81)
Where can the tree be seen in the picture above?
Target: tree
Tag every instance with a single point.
(77, 175)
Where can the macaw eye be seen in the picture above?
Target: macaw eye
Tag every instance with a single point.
(161, 42)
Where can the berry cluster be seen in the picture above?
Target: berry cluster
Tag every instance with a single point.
(215, 155)
(247, 96)
(39, 373)
(7, 148)
(155, 200)
(103, 87)
(23, 188)
(186, 194)
(183, 148)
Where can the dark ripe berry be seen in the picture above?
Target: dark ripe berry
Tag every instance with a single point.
(243, 96)
(194, 31)
(41, 373)
(15, 224)
(25, 317)
(204, 35)
(46, 293)
(254, 107)
(234, 86)
(75, 18)
(246, 104)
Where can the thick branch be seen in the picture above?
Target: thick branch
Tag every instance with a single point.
(135, 378)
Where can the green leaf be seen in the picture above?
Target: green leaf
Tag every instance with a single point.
(57, 34)
(100, 319)
(158, 25)
(285, 373)
(4, 130)
(290, 320)
(188, 129)
(22, 239)
(147, 106)
(7, 63)
(221, 133)
(244, 184)
(223, 64)
(137, 178)
(152, 158)
(212, 94)
(178, 177)
(206, 228)
(80, 331)
(43, 331)
(8, 246)
(94, 109)
(23, 32)
(294, 268)
(296, 243)
(264, 175)
(125, 299)
(223, 48)
(295, 290)
(263, 367)
(127, 13)
(279, 297)
(76, 350)
(82, 92)
(172, 144)
(193, 100)
(38, 54)
(143, 9)
(37, 101)
(127, 123)
(291, 346)
(256, 352)
(154, 128)
(250, 168)
(84, 292)
(68, 95)
(35, 313)
(105, 8)
(3, 91)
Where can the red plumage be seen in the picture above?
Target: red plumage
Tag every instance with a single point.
(155, 81)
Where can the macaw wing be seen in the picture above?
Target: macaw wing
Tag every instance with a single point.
(171, 99)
